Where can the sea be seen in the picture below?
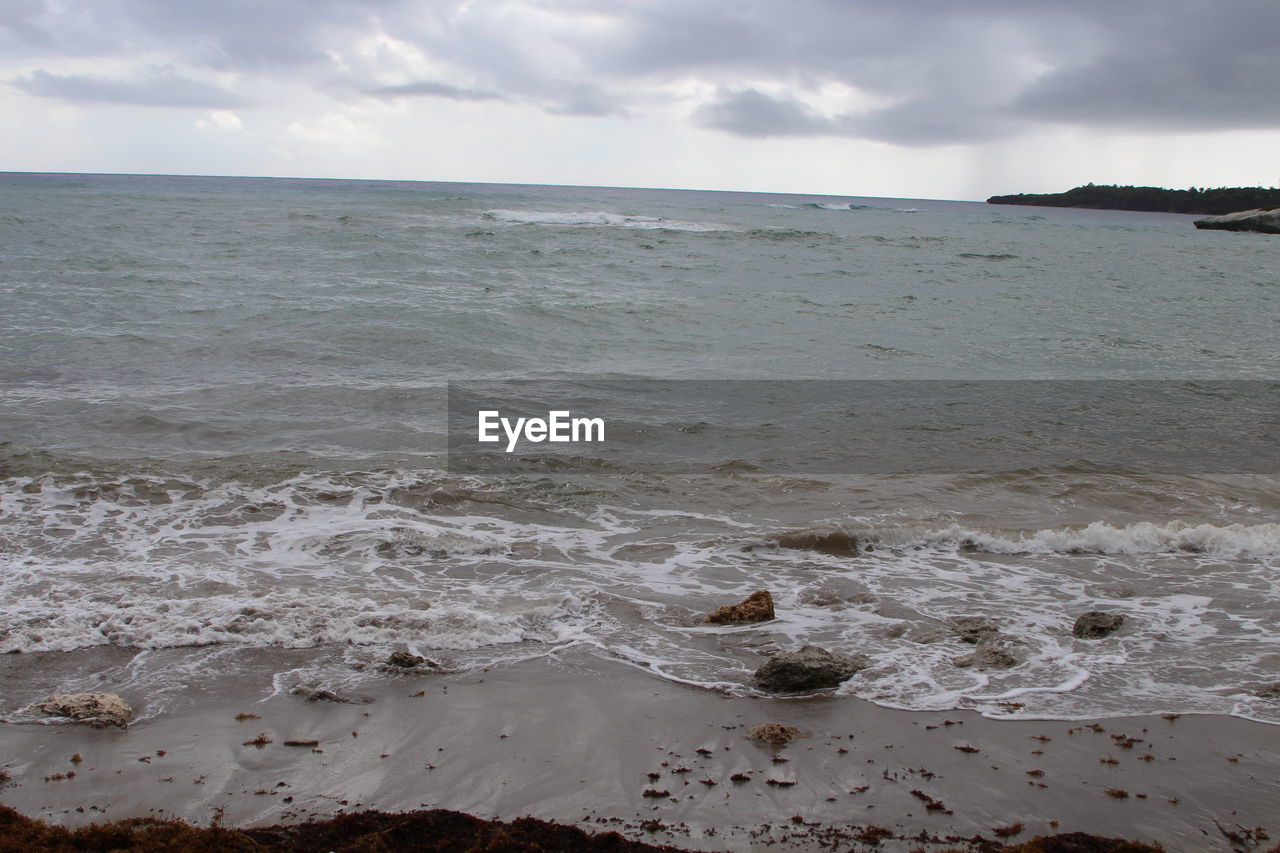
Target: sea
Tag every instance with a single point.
(234, 421)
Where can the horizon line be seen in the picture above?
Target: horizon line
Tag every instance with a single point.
(485, 183)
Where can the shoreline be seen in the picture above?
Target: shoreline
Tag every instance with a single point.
(573, 738)
(441, 829)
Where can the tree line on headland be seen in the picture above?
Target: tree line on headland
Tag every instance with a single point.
(1154, 199)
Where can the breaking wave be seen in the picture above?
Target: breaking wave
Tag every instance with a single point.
(599, 219)
(1229, 541)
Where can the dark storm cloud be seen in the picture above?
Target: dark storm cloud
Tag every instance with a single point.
(20, 23)
(1202, 66)
(226, 34)
(163, 88)
(753, 113)
(912, 122)
(951, 72)
(926, 72)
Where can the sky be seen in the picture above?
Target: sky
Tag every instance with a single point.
(891, 98)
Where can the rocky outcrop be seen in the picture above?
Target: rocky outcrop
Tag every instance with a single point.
(756, 607)
(99, 709)
(975, 630)
(935, 634)
(1096, 624)
(403, 660)
(810, 668)
(988, 657)
(1265, 220)
(774, 733)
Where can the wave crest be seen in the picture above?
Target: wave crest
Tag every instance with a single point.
(599, 219)
(1229, 541)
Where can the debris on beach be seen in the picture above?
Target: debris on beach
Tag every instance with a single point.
(756, 607)
(315, 694)
(97, 709)
(365, 830)
(809, 668)
(930, 804)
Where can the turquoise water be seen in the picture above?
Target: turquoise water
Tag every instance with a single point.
(222, 406)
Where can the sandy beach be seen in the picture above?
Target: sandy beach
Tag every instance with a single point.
(580, 740)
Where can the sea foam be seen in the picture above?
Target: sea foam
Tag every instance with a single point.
(599, 218)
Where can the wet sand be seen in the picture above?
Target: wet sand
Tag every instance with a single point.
(580, 740)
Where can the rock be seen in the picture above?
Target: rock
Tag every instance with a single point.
(974, 629)
(929, 635)
(404, 660)
(1265, 220)
(1096, 624)
(988, 657)
(100, 709)
(834, 542)
(775, 733)
(834, 598)
(315, 694)
(810, 668)
(756, 607)
(1110, 590)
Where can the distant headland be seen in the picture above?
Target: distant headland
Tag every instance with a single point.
(1152, 199)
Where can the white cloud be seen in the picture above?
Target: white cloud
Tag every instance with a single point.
(337, 132)
(220, 120)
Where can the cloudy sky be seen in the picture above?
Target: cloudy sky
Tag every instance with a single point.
(912, 98)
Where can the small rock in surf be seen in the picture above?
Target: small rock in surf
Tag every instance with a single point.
(1096, 624)
(404, 660)
(756, 607)
(837, 543)
(988, 657)
(810, 668)
(975, 629)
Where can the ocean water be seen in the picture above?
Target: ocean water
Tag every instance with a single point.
(224, 415)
